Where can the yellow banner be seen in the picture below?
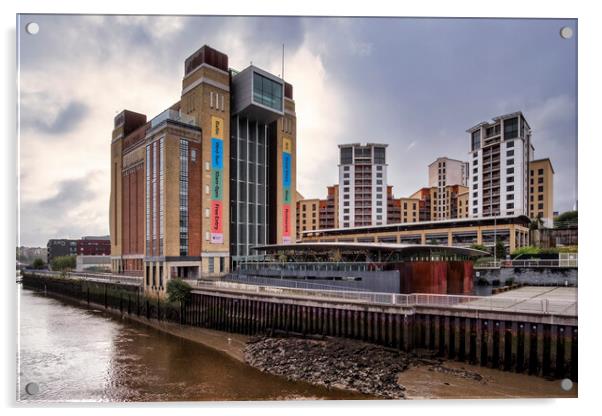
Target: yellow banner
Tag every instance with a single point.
(287, 145)
(217, 127)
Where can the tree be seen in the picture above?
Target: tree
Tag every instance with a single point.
(38, 264)
(565, 219)
(178, 291)
(63, 263)
(479, 247)
(500, 249)
(536, 224)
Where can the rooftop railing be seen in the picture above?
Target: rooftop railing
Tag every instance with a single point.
(544, 306)
(174, 116)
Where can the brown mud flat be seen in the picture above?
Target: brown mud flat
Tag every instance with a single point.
(386, 373)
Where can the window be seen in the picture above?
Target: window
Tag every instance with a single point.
(510, 162)
(346, 211)
(475, 170)
(346, 168)
(379, 175)
(210, 265)
(532, 172)
(475, 178)
(346, 175)
(476, 139)
(510, 179)
(379, 156)
(475, 194)
(379, 168)
(379, 189)
(475, 202)
(540, 180)
(509, 171)
(475, 186)
(510, 188)
(346, 156)
(379, 196)
(540, 197)
(346, 203)
(510, 196)
(475, 162)
(511, 128)
(540, 205)
(540, 189)
(510, 144)
(345, 182)
(183, 197)
(379, 210)
(510, 153)
(540, 171)
(510, 205)
(267, 92)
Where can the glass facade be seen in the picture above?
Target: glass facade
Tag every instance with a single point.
(346, 155)
(248, 185)
(511, 128)
(267, 92)
(476, 140)
(183, 197)
(379, 155)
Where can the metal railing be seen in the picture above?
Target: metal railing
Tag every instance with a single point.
(284, 282)
(310, 266)
(569, 262)
(544, 306)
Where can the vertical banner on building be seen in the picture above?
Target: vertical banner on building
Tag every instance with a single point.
(217, 169)
(286, 189)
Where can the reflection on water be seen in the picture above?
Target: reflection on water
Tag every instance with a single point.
(79, 354)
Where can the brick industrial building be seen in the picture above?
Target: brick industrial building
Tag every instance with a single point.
(211, 176)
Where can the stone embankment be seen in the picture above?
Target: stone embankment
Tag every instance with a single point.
(341, 363)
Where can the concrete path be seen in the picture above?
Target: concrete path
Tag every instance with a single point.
(552, 300)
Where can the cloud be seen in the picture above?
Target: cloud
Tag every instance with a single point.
(73, 210)
(64, 120)
(397, 81)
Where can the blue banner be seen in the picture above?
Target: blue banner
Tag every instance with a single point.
(217, 153)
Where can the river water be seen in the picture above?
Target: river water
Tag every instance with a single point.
(78, 354)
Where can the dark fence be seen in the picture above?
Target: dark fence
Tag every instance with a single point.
(124, 298)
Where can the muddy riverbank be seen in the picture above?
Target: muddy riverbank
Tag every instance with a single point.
(388, 373)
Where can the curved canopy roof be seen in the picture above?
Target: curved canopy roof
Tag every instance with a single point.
(371, 247)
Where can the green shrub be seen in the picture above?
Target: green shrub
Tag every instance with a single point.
(177, 290)
(63, 263)
(38, 264)
(509, 281)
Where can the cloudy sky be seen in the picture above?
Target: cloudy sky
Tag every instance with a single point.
(416, 84)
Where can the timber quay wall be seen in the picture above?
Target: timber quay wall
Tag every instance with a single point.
(531, 343)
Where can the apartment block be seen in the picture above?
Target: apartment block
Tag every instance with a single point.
(329, 208)
(444, 173)
(194, 188)
(541, 191)
(463, 206)
(308, 214)
(362, 185)
(500, 153)
(401, 210)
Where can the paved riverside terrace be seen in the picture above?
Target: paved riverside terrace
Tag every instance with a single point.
(555, 300)
(537, 299)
